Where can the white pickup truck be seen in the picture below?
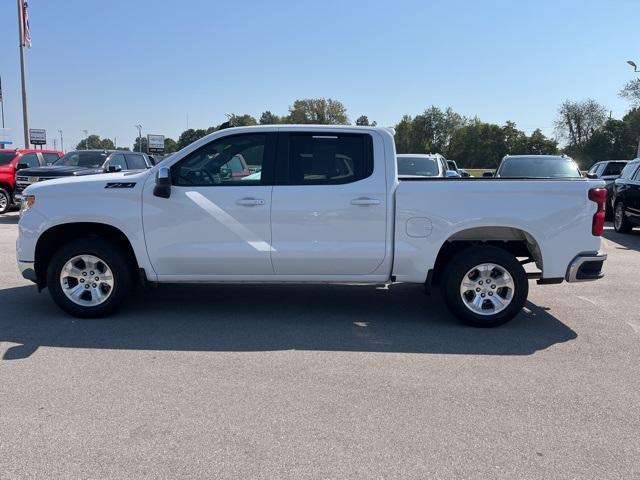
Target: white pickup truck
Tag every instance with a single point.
(310, 204)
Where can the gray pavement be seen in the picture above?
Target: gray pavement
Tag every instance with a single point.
(322, 382)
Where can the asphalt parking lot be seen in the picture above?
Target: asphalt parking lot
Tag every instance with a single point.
(322, 382)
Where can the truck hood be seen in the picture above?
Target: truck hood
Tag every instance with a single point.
(58, 171)
(88, 182)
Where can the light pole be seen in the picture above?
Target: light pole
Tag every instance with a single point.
(139, 127)
(635, 69)
(61, 141)
(86, 139)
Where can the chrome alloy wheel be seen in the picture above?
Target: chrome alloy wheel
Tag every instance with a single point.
(618, 216)
(4, 202)
(86, 280)
(487, 289)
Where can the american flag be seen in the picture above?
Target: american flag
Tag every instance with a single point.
(26, 34)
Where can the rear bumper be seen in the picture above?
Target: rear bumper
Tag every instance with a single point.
(586, 267)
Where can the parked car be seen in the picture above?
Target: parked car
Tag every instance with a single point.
(461, 171)
(607, 170)
(626, 198)
(423, 165)
(10, 160)
(537, 166)
(327, 207)
(80, 163)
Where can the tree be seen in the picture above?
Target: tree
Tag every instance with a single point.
(189, 136)
(478, 145)
(538, 144)
(245, 120)
(363, 121)
(268, 118)
(323, 111)
(145, 146)
(578, 121)
(170, 145)
(95, 142)
(429, 132)
(631, 91)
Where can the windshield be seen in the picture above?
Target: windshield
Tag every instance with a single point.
(89, 159)
(538, 167)
(6, 157)
(422, 166)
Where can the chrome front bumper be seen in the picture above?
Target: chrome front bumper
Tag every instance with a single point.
(586, 267)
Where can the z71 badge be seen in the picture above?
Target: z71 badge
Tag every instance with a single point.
(120, 185)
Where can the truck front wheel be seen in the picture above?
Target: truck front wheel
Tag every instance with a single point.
(88, 278)
(485, 286)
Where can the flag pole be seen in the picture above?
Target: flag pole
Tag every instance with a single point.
(25, 119)
(2, 102)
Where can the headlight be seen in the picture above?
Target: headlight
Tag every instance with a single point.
(28, 201)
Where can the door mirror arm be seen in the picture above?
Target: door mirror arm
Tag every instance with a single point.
(162, 188)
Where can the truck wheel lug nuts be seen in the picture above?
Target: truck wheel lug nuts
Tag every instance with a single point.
(482, 295)
(82, 280)
(490, 294)
(493, 286)
(477, 289)
(94, 285)
(84, 274)
(87, 286)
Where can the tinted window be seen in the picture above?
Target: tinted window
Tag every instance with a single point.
(628, 170)
(5, 157)
(30, 159)
(89, 159)
(614, 168)
(329, 159)
(538, 167)
(117, 159)
(423, 166)
(135, 162)
(226, 161)
(50, 157)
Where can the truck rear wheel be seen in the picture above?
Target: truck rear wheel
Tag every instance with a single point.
(485, 286)
(88, 278)
(620, 221)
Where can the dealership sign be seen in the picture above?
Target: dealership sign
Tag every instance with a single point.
(155, 143)
(37, 136)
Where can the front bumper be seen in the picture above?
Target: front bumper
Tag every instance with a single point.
(586, 267)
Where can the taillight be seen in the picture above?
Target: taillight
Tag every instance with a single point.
(598, 195)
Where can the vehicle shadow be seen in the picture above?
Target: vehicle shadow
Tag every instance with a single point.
(624, 241)
(247, 318)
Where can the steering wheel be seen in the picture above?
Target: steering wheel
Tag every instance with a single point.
(202, 173)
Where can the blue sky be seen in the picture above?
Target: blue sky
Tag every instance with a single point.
(106, 66)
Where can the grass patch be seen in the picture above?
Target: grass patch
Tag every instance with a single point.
(477, 172)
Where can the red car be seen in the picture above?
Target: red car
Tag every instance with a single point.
(9, 161)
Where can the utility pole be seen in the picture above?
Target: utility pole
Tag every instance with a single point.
(25, 119)
(54, 143)
(139, 127)
(86, 139)
(61, 141)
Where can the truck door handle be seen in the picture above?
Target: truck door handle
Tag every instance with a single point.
(250, 202)
(365, 201)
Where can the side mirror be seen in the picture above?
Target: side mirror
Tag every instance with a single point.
(487, 174)
(113, 168)
(451, 174)
(592, 176)
(21, 166)
(163, 183)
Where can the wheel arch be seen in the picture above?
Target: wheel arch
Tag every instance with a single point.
(56, 236)
(516, 241)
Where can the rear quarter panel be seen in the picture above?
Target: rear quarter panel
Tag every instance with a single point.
(555, 213)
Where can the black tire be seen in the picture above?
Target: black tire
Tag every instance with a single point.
(5, 201)
(623, 225)
(457, 269)
(109, 254)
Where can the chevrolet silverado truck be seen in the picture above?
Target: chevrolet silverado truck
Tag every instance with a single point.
(324, 204)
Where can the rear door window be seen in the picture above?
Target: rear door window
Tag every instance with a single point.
(328, 159)
(135, 162)
(613, 168)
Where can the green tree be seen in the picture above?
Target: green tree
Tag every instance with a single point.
(189, 136)
(136, 145)
(577, 121)
(631, 91)
(170, 145)
(95, 142)
(538, 144)
(478, 145)
(323, 111)
(245, 120)
(363, 121)
(268, 118)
